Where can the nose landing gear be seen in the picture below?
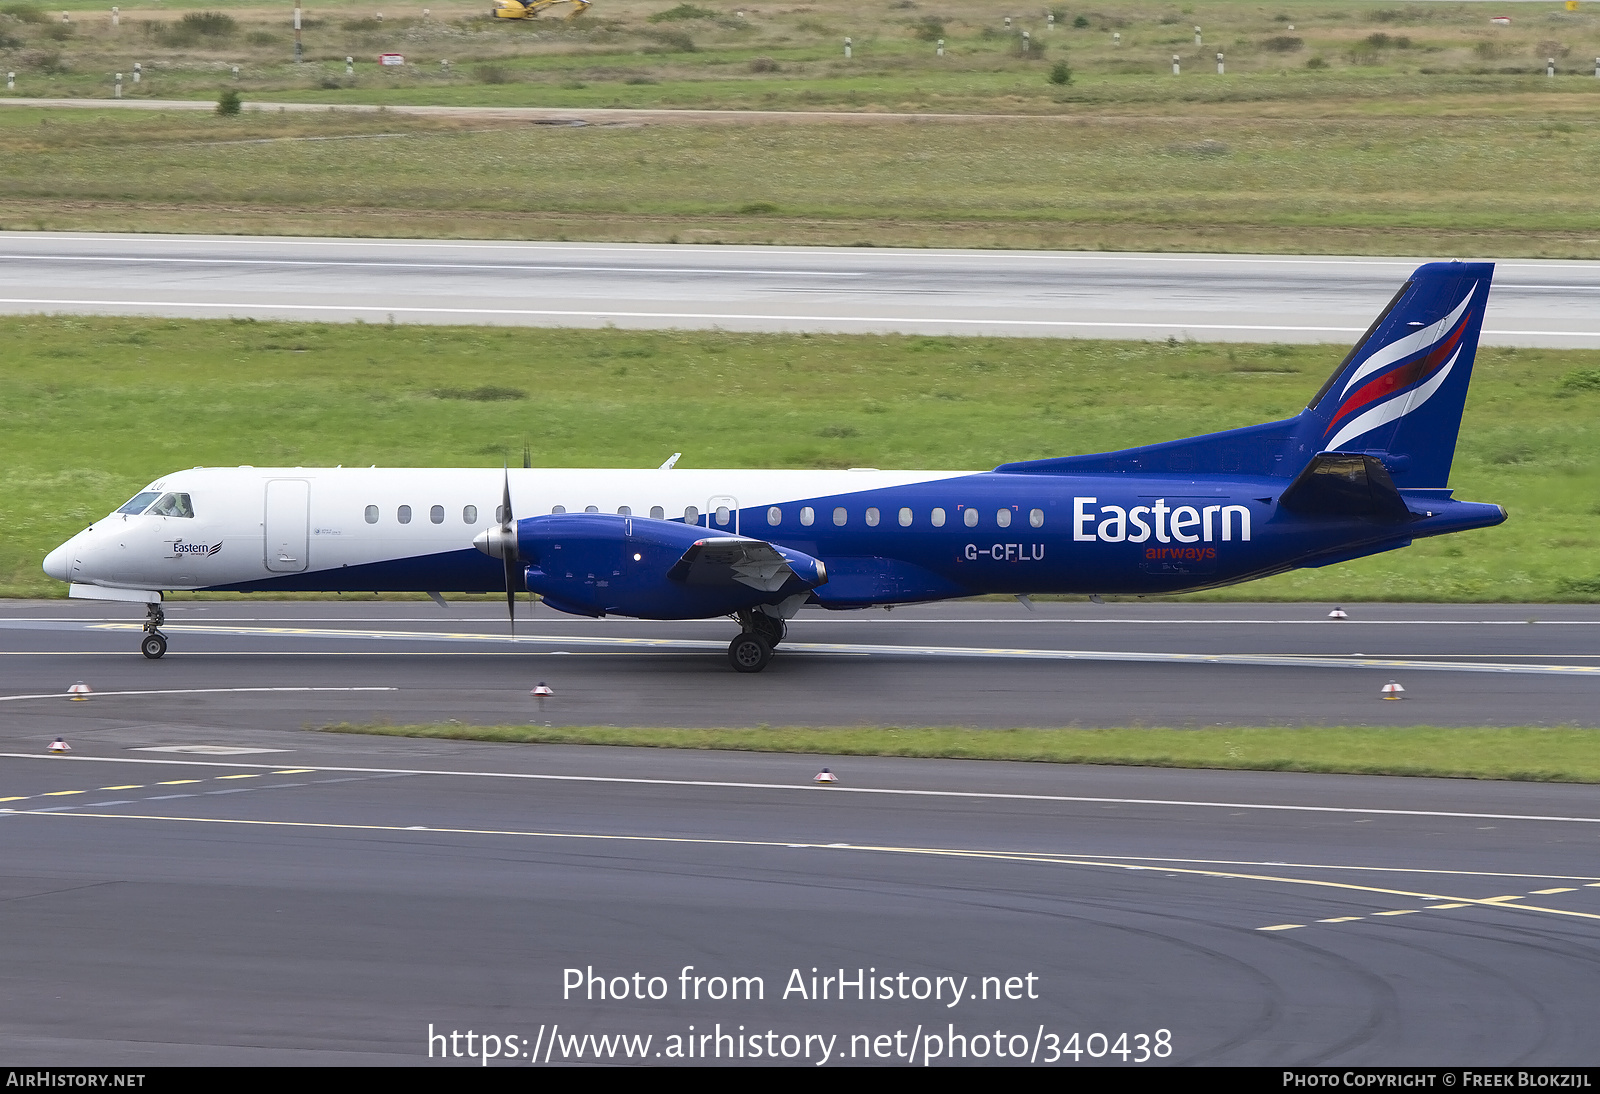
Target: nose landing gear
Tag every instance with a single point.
(154, 644)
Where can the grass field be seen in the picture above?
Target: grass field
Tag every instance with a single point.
(95, 408)
(1411, 129)
(1558, 754)
(722, 53)
(1465, 176)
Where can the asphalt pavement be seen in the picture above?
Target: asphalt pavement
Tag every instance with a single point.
(204, 880)
(1250, 298)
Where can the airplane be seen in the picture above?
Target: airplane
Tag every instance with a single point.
(1364, 468)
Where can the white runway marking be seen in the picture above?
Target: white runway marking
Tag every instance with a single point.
(833, 789)
(179, 691)
(142, 260)
(1043, 858)
(711, 317)
(859, 649)
(245, 306)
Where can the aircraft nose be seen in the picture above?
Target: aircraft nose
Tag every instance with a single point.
(58, 562)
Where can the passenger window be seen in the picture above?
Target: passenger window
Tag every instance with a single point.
(405, 514)
(591, 508)
(624, 511)
(774, 515)
(139, 502)
(557, 510)
(905, 518)
(938, 518)
(1003, 518)
(807, 515)
(970, 517)
(656, 512)
(872, 517)
(372, 514)
(436, 514)
(469, 515)
(1036, 517)
(172, 505)
(722, 515)
(840, 516)
(691, 515)
(499, 514)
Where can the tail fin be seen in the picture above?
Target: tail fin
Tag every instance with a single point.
(1399, 394)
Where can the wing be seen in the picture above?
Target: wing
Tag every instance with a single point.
(725, 560)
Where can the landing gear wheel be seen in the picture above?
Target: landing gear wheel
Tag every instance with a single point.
(154, 645)
(749, 653)
(771, 629)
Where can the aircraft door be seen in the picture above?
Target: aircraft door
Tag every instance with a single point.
(287, 525)
(722, 513)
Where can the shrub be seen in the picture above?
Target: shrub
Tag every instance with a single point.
(228, 102)
(492, 74)
(928, 29)
(682, 11)
(1283, 43)
(24, 13)
(1316, 62)
(673, 41)
(763, 64)
(1583, 379)
(1080, 22)
(211, 24)
(46, 61)
(1061, 74)
(485, 394)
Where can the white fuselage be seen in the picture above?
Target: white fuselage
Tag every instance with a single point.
(254, 523)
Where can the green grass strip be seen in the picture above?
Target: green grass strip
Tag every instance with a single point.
(1521, 753)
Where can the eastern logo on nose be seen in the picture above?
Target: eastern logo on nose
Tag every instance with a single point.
(180, 549)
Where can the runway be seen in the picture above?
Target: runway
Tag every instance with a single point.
(1254, 298)
(203, 881)
(271, 665)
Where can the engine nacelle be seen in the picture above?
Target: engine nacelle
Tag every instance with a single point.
(597, 564)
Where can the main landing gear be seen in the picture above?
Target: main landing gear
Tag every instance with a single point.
(760, 633)
(154, 644)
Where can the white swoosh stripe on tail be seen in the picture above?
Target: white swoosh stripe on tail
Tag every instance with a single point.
(1405, 347)
(1397, 407)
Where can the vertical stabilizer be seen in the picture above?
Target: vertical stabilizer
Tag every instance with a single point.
(1399, 394)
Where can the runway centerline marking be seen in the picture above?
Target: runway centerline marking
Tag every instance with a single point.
(981, 795)
(1045, 859)
(843, 648)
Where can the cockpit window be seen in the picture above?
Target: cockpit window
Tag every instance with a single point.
(139, 502)
(172, 505)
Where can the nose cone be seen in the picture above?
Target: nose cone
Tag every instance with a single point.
(58, 562)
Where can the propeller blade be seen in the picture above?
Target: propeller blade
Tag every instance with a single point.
(508, 551)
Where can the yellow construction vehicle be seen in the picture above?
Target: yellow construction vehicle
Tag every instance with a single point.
(528, 9)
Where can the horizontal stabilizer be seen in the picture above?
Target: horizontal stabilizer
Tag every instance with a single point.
(1346, 484)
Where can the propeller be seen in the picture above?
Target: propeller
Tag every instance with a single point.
(501, 543)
